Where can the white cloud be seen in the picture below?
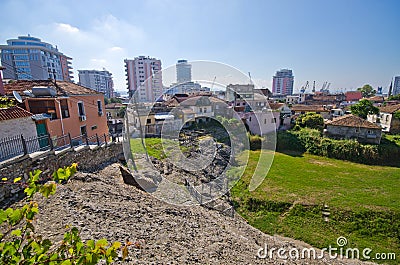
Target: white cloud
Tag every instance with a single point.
(104, 43)
(67, 28)
(116, 49)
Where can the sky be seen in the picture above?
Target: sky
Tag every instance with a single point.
(347, 43)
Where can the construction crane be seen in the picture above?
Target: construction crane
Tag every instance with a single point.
(323, 86)
(304, 88)
(327, 87)
(212, 85)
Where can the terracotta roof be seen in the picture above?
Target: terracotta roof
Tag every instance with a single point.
(390, 109)
(13, 113)
(376, 98)
(63, 88)
(196, 101)
(114, 106)
(310, 108)
(276, 106)
(352, 121)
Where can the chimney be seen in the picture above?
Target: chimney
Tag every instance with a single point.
(2, 91)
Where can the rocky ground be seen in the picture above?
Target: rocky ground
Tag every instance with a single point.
(102, 206)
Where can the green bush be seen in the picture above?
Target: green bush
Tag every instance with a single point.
(255, 142)
(311, 141)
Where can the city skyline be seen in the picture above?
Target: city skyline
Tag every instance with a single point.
(348, 44)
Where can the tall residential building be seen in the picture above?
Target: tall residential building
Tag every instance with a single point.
(396, 86)
(183, 71)
(144, 78)
(283, 82)
(100, 81)
(28, 58)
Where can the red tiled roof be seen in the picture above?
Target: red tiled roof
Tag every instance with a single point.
(376, 98)
(276, 106)
(309, 108)
(13, 113)
(63, 88)
(352, 121)
(390, 108)
(353, 95)
(114, 106)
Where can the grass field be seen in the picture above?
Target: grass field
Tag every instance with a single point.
(364, 201)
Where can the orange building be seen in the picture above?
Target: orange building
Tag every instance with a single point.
(62, 107)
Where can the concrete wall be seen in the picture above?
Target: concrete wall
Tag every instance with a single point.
(15, 127)
(88, 159)
(262, 123)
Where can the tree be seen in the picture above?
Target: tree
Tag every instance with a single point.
(121, 112)
(367, 91)
(115, 100)
(311, 120)
(364, 108)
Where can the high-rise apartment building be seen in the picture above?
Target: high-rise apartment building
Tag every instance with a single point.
(28, 58)
(144, 78)
(100, 81)
(396, 86)
(183, 71)
(283, 82)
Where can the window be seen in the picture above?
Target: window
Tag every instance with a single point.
(99, 108)
(265, 121)
(369, 132)
(201, 110)
(148, 121)
(83, 130)
(81, 109)
(64, 108)
(356, 130)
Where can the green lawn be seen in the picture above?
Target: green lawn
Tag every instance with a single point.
(364, 201)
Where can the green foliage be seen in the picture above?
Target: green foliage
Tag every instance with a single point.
(111, 100)
(397, 114)
(394, 97)
(6, 102)
(367, 91)
(255, 141)
(312, 142)
(363, 201)
(311, 120)
(121, 112)
(20, 244)
(115, 100)
(364, 108)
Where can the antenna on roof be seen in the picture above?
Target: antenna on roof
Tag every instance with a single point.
(17, 96)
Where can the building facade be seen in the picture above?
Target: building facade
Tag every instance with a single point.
(28, 58)
(144, 78)
(283, 82)
(183, 71)
(63, 108)
(101, 81)
(396, 86)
